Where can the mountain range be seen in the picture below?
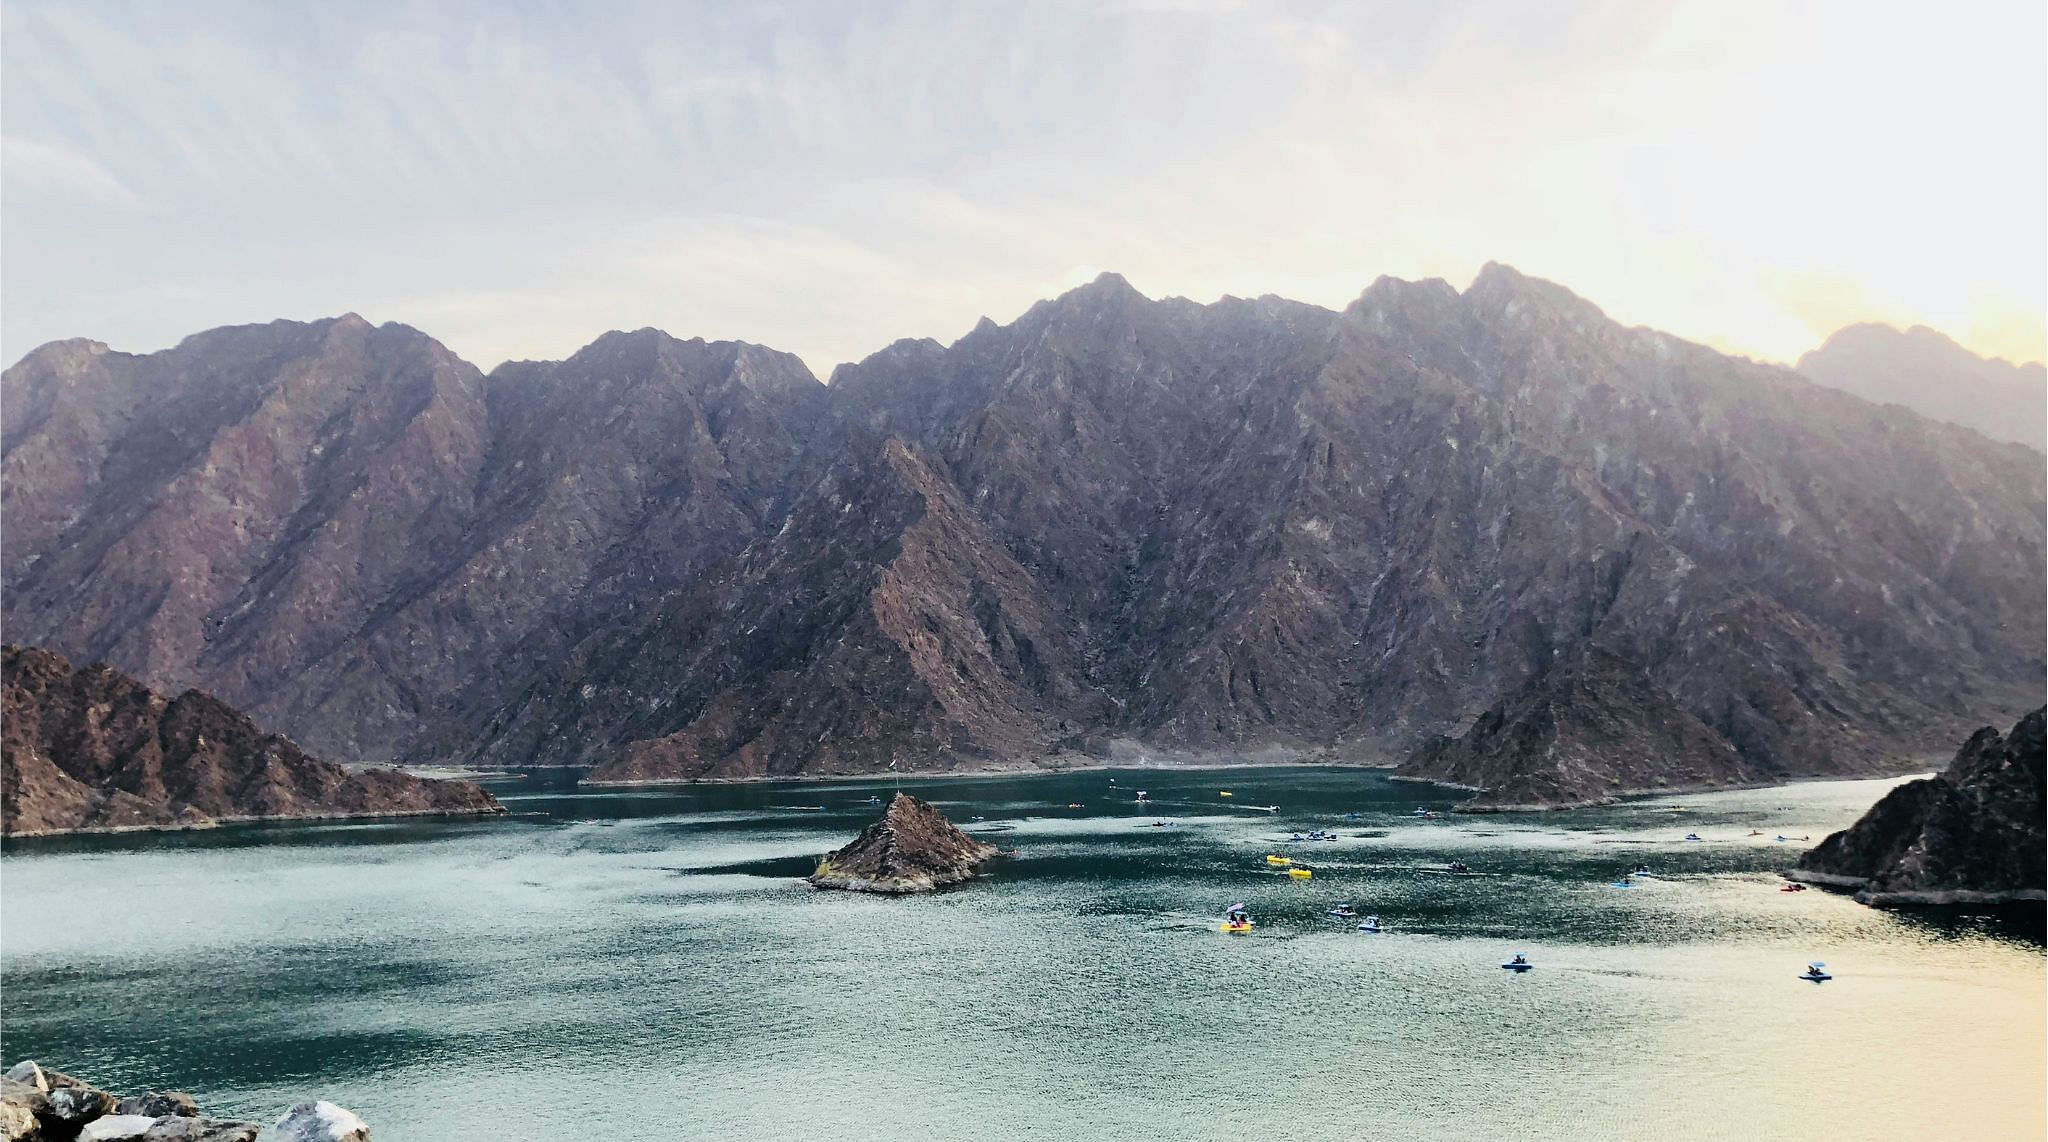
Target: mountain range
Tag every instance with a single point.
(1930, 374)
(1114, 527)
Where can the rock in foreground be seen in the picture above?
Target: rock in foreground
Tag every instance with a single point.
(320, 1122)
(1971, 835)
(38, 1105)
(1583, 731)
(93, 749)
(913, 848)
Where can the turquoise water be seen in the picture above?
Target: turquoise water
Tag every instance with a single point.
(643, 963)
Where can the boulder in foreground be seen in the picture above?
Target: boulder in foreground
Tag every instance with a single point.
(38, 1105)
(320, 1122)
(913, 848)
(1973, 834)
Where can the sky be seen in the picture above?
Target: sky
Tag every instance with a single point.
(517, 178)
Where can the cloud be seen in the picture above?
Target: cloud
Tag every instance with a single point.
(54, 167)
(825, 178)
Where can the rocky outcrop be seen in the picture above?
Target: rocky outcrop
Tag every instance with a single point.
(1975, 833)
(913, 848)
(320, 1122)
(1116, 522)
(1584, 731)
(1932, 375)
(93, 749)
(38, 1105)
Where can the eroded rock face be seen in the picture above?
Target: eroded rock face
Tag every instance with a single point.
(1155, 526)
(1975, 833)
(1584, 730)
(913, 848)
(95, 749)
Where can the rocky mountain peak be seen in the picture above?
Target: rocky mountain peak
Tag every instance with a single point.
(1501, 292)
(1927, 371)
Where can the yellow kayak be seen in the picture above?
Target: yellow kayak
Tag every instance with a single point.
(1225, 793)
(1271, 859)
(1299, 873)
(1237, 929)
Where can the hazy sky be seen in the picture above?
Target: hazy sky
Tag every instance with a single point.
(825, 178)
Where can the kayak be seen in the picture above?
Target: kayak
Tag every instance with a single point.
(1621, 884)
(1517, 967)
(1237, 929)
(1299, 873)
(1343, 913)
(1816, 977)
(1271, 859)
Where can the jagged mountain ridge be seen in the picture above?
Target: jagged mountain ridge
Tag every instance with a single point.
(1253, 524)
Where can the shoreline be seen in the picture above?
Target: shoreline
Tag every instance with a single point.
(1936, 897)
(220, 822)
(1621, 795)
(1014, 770)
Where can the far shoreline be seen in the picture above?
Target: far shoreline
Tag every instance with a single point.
(1015, 769)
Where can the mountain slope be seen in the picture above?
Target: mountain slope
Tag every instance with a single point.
(1115, 524)
(95, 749)
(1585, 730)
(1932, 375)
(337, 527)
(880, 625)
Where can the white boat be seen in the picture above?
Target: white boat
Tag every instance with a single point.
(1369, 924)
(1816, 973)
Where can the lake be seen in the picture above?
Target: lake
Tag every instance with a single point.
(646, 964)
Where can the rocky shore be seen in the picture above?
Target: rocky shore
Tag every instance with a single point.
(93, 750)
(913, 848)
(40, 1105)
(1974, 834)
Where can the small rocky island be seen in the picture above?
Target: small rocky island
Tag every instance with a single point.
(39, 1105)
(913, 848)
(94, 750)
(1973, 834)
